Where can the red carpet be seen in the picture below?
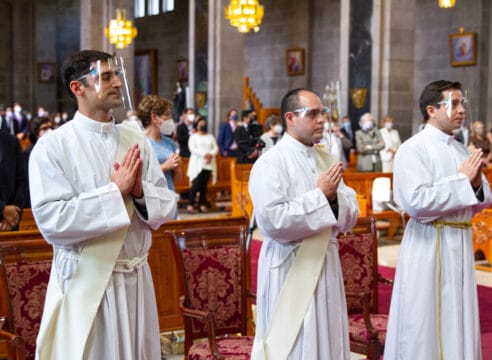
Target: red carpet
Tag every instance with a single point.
(484, 299)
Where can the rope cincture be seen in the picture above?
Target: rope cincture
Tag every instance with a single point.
(439, 225)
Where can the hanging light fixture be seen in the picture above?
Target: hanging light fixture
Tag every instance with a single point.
(245, 15)
(121, 31)
(446, 4)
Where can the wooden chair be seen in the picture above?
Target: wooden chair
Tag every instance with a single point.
(215, 271)
(359, 261)
(25, 267)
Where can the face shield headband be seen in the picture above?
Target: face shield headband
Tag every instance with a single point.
(107, 71)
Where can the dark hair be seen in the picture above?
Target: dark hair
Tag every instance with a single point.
(245, 113)
(79, 64)
(152, 104)
(36, 126)
(432, 94)
(185, 110)
(290, 102)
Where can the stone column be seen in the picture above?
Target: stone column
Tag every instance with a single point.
(393, 63)
(225, 67)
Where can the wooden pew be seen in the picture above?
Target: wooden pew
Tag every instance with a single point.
(241, 201)
(362, 183)
(223, 178)
(27, 220)
(161, 260)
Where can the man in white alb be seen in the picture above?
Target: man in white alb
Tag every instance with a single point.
(96, 192)
(439, 183)
(300, 204)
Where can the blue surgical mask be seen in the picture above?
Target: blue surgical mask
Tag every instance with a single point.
(347, 126)
(234, 117)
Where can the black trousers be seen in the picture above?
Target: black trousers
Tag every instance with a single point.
(199, 185)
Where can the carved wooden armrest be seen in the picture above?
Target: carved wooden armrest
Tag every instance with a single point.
(17, 349)
(209, 318)
(363, 300)
(384, 280)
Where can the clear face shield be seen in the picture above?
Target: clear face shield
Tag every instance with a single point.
(104, 73)
(452, 102)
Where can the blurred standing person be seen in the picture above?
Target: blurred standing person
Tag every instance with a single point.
(479, 140)
(246, 137)
(155, 114)
(202, 165)
(39, 128)
(434, 306)
(369, 144)
(225, 140)
(9, 124)
(349, 134)
(392, 142)
(21, 120)
(335, 141)
(184, 130)
(13, 184)
(273, 133)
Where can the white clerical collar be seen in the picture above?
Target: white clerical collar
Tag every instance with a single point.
(296, 144)
(93, 125)
(439, 134)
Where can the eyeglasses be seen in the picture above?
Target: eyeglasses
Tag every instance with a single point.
(105, 76)
(311, 112)
(454, 103)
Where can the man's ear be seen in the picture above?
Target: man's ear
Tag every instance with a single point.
(77, 88)
(289, 119)
(431, 110)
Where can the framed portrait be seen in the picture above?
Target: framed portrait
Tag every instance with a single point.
(294, 60)
(46, 72)
(463, 48)
(145, 74)
(182, 70)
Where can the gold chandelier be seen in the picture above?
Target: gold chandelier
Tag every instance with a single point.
(447, 4)
(245, 14)
(121, 31)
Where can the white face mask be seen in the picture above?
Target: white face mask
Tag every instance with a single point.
(167, 127)
(57, 119)
(388, 125)
(367, 126)
(17, 109)
(133, 118)
(278, 129)
(190, 117)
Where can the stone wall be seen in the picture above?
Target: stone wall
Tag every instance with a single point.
(168, 34)
(432, 56)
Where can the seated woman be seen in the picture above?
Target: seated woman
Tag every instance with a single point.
(155, 114)
(202, 165)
